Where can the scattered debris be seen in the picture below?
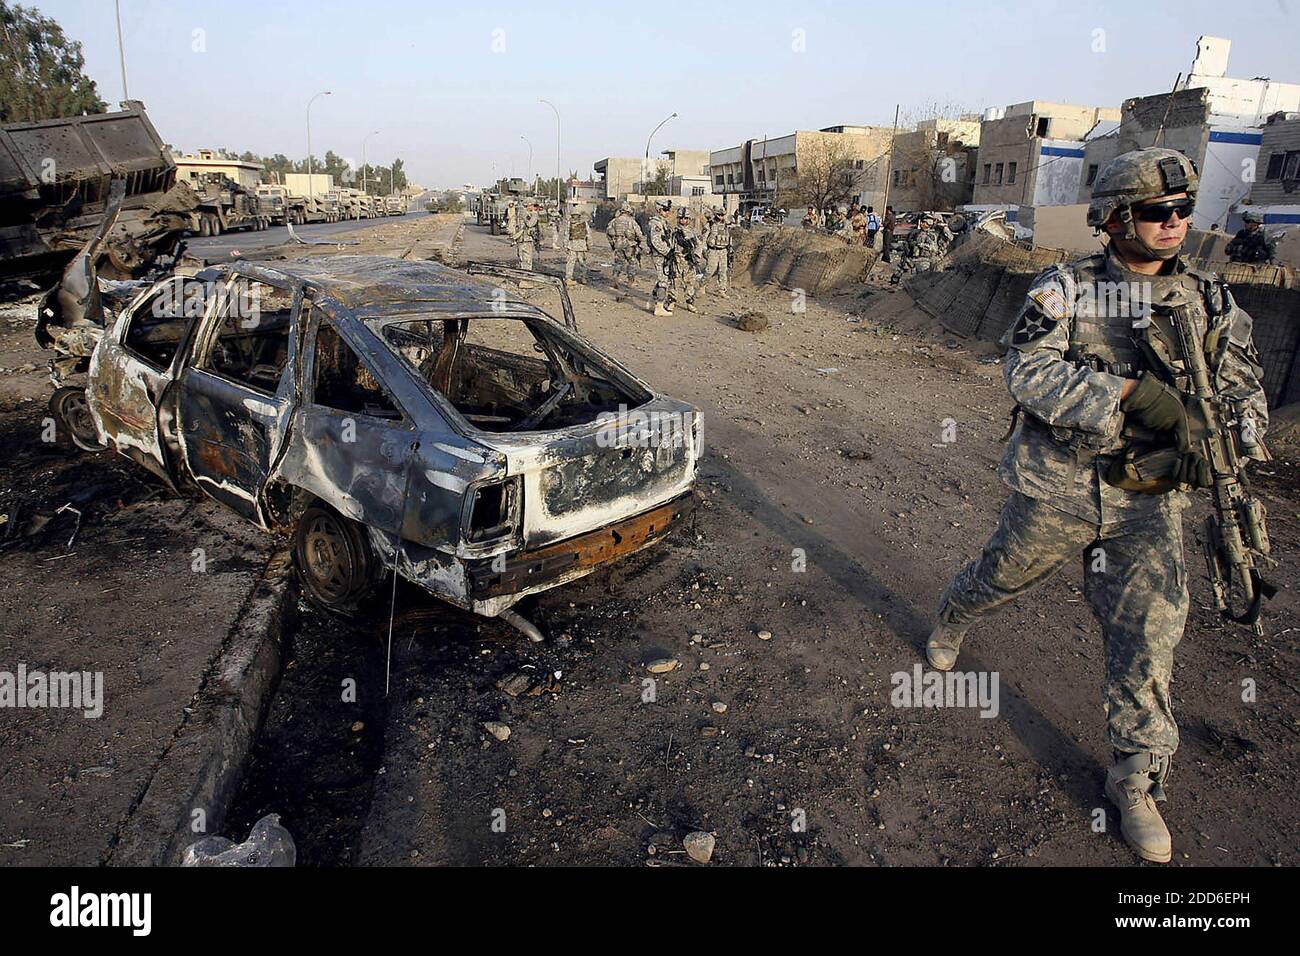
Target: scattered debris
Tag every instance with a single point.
(268, 844)
(497, 729)
(699, 846)
(751, 321)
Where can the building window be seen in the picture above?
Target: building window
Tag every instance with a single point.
(858, 164)
(988, 171)
(1290, 165)
(1044, 122)
(717, 181)
(1275, 166)
(898, 177)
(1092, 173)
(1011, 173)
(697, 190)
(997, 175)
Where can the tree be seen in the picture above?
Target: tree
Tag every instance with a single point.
(930, 163)
(660, 185)
(41, 70)
(824, 175)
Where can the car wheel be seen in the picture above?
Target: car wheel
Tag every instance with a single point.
(205, 227)
(70, 411)
(333, 560)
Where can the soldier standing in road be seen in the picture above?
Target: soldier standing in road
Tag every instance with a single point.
(1097, 394)
(525, 233)
(661, 247)
(686, 259)
(576, 246)
(1251, 243)
(717, 241)
(627, 242)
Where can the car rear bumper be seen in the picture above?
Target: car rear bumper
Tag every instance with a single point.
(528, 571)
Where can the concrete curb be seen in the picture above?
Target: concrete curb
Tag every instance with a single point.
(202, 768)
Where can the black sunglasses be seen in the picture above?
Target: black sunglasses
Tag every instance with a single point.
(1162, 211)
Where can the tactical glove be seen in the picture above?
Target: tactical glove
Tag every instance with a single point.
(1162, 408)
(1192, 469)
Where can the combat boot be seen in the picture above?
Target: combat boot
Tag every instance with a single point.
(1135, 784)
(943, 644)
(661, 311)
(690, 307)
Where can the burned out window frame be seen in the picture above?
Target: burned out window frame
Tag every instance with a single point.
(587, 352)
(320, 315)
(121, 332)
(205, 341)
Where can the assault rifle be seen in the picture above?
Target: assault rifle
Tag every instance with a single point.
(1236, 540)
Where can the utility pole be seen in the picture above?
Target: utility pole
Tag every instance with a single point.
(311, 182)
(363, 157)
(557, 149)
(889, 168)
(121, 50)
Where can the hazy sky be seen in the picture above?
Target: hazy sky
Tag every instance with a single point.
(453, 86)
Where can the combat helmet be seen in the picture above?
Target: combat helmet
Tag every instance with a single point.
(1252, 216)
(1135, 177)
(626, 208)
(664, 204)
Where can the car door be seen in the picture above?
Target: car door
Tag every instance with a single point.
(236, 394)
(134, 366)
(352, 438)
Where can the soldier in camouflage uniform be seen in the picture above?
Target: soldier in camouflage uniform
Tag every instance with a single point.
(927, 245)
(686, 259)
(1251, 243)
(1100, 390)
(526, 233)
(576, 246)
(627, 242)
(661, 247)
(717, 241)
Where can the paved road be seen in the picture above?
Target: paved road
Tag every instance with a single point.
(220, 246)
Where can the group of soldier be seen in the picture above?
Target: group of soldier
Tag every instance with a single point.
(683, 258)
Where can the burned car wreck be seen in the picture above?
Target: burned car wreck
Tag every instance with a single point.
(389, 414)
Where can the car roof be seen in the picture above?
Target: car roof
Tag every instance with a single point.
(379, 285)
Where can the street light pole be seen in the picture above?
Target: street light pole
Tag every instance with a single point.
(530, 157)
(311, 182)
(645, 169)
(121, 50)
(363, 157)
(557, 148)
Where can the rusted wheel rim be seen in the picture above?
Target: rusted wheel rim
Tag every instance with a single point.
(329, 558)
(76, 415)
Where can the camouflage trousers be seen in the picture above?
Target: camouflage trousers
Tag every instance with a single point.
(715, 264)
(575, 260)
(626, 262)
(1134, 579)
(525, 251)
(685, 283)
(663, 288)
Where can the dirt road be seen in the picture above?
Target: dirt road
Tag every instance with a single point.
(849, 471)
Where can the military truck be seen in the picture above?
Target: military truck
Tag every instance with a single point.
(54, 184)
(279, 205)
(396, 205)
(492, 205)
(225, 206)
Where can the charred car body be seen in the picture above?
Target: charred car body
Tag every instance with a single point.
(392, 415)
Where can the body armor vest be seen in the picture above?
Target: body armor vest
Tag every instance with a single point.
(577, 229)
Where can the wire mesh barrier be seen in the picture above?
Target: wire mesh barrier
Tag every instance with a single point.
(795, 259)
(983, 283)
